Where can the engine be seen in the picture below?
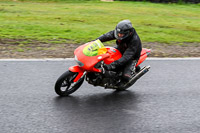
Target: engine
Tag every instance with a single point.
(109, 79)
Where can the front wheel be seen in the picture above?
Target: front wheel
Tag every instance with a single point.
(65, 84)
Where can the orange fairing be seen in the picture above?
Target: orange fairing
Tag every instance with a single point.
(78, 70)
(143, 55)
(114, 55)
(87, 61)
(106, 54)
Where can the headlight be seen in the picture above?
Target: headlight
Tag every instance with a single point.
(78, 62)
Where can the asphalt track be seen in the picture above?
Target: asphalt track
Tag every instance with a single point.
(165, 100)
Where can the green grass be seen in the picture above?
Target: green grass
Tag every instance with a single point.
(73, 22)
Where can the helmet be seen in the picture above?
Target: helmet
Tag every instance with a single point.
(123, 27)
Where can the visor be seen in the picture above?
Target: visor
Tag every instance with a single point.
(117, 31)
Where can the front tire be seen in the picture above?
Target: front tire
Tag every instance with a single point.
(65, 84)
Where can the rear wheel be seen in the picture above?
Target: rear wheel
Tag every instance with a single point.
(121, 89)
(65, 84)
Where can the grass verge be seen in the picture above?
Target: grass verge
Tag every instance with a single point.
(72, 22)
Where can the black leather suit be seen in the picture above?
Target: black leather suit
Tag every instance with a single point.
(130, 49)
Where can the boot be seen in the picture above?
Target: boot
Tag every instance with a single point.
(129, 70)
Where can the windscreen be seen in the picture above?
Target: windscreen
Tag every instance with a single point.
(94, 48)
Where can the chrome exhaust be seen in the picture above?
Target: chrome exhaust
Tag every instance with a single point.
(136, 77)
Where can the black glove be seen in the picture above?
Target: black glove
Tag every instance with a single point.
(110, 67)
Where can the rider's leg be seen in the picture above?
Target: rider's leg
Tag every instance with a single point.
(129, 70)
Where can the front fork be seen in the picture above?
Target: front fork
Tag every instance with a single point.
(78, 70)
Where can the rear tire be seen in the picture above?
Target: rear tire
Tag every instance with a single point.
(121, 89)
(65, 84)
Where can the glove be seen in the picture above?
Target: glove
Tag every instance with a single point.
(110, 67)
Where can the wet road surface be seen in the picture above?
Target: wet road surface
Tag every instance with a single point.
(165, 100)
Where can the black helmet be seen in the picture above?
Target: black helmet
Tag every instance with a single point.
(123, 27)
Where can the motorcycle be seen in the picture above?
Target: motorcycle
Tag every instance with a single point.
(90, 58)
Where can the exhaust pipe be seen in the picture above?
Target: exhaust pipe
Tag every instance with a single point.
(136, 77)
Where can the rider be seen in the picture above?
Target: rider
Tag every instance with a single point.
(129, 44)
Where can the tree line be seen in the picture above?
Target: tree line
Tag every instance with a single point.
(168, 1)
